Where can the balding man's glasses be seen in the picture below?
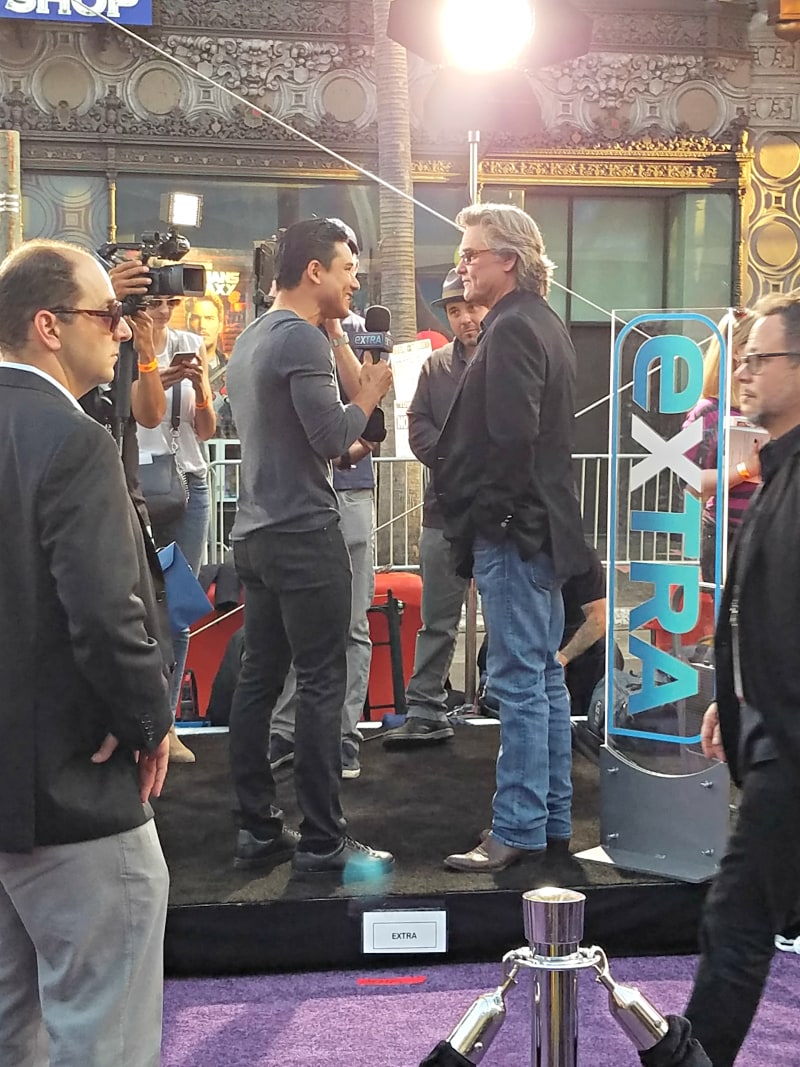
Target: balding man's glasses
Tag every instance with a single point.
(113, 313)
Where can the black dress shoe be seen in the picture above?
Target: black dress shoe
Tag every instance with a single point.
(355, 861)
(250, 852)
(415, 731)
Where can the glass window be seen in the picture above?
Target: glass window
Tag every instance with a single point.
(436, 243)
(552, 217)
(700, 250)
(617, 254)
(65, 207)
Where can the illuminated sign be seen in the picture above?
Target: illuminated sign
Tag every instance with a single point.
(126, 12)
(673, 603)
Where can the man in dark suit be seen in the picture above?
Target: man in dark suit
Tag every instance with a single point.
(755, 723)
(504, 481)
(85, 710)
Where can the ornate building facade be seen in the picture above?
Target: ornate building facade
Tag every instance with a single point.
(664, 165)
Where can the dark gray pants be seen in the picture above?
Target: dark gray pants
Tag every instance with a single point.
(296, 609)
(753, 897)
(443, 595)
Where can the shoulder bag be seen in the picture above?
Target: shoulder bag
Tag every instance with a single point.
(163, 481)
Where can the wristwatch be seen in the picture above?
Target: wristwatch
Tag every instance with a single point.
(345, 461)
(336, 342)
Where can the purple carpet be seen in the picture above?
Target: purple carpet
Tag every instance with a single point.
(311, 1020)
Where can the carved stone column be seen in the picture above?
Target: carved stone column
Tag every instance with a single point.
(10, 208)
(773, 201)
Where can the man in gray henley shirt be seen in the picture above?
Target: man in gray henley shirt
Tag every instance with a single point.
(289, 550)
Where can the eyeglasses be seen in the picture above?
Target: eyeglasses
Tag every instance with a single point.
(112, 313)
(157, 301)
(468, 255)
(753, 361)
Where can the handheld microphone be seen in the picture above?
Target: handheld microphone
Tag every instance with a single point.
(375, 338)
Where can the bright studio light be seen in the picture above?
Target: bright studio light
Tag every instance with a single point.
(486, 34)
(182, 209)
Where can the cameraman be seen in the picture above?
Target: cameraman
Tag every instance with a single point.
(147, 399)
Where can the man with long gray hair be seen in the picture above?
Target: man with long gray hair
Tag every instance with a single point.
(505, 484)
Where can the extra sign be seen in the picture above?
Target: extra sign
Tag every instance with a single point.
(670, 587)
(126, 12)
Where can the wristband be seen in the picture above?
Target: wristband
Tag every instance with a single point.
(200, 406)
(743, 472)
(145, 368)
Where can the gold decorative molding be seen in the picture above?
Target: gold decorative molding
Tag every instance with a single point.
(678, 162)
(433, 170)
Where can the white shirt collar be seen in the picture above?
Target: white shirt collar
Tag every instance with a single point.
(42, 374)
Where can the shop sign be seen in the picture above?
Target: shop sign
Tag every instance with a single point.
(126, 12)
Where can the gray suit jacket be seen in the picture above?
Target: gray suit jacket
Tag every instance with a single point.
(79, 651)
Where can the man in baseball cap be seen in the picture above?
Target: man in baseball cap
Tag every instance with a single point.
(442, 590)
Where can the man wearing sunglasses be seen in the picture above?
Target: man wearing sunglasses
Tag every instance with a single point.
(754, 724)
(85, 712)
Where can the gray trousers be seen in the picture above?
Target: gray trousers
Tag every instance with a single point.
(443, 595)
(81, 951)
(356, 508)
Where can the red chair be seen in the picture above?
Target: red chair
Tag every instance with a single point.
(207, 644)
(390, 626)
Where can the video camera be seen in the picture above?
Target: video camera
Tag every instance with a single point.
(174, 279)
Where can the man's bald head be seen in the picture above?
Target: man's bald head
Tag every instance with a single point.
(38, 274)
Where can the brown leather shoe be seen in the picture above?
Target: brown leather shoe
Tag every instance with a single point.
(557, 845)
(489, 855)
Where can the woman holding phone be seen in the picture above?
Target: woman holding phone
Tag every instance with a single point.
(182, 365)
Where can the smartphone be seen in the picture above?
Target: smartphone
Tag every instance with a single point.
(183, 357)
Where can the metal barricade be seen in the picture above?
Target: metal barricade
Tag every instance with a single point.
(400, 486)
(223, 491)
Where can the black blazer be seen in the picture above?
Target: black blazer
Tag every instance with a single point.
(769, 613)
(504, 458)
(78, 658)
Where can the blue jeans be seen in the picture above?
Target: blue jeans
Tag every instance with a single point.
(189, 533)
(524, 615)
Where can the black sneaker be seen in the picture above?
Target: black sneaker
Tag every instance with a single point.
(281, 751)
(416, 731)
(351, 768)
(356, 862)
(250, 852)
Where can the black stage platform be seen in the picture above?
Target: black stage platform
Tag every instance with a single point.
(421, 805)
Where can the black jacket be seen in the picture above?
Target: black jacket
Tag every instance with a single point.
(79, 655)
(766, 563)
(437, 385)
(504, 459)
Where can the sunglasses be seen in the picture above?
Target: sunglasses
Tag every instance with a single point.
(112, 313)
(157, 301)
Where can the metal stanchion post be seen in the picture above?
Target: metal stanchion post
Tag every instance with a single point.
(554, 928)
(474, 143)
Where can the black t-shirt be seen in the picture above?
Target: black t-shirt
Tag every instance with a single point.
(579, 590)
